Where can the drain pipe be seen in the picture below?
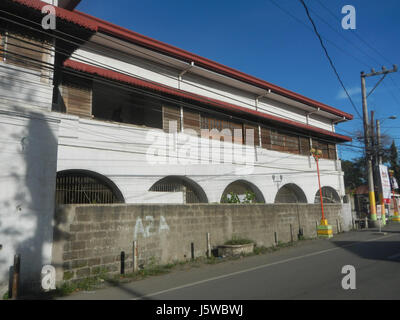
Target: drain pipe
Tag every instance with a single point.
(308, 114)
(262, 96)
(183, 72)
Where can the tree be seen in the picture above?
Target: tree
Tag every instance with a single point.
(354, 173)
(394, 160)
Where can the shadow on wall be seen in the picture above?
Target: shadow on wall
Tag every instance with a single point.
(27, 199)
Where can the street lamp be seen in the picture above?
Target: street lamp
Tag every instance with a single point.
(324, 230)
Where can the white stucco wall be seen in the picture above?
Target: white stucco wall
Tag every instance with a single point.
(28, 159)
(190, 82)
(119, 152)
(28, 156)
(19, 86)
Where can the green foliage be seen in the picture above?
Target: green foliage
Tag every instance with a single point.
(233, 197)
(394, 161)
(260, 250)
(354, 173)
(250, 197)
(6, 296)
(237, 241)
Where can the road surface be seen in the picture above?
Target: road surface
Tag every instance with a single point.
(309, 270)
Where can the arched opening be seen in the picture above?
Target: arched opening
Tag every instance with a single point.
(85, 187)
(290, 193)
(242, 191)
(329, 195)
(191, 191)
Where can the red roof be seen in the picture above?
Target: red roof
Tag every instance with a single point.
(61, 13)
(205, 63)
(97, 24)
(113, 75)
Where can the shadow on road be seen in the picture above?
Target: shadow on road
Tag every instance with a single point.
(373, 250)
(123, 287)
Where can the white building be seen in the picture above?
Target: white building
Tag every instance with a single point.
(87, 113)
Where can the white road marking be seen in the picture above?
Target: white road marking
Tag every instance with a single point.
(257, 268)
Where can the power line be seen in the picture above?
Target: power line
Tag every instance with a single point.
(143, 91)
(329, 58)
(356, 34)
(99, 64)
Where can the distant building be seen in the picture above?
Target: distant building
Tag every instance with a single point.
(360, 204)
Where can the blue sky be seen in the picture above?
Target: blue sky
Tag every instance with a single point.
(261, 39)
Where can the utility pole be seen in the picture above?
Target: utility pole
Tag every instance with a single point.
(368, 149)
(378, 163)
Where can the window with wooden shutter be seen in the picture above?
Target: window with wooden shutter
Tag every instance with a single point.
(332, 151)
(211, 123)
(321, 145)
(266, 138)
(277, 140)
(256, 139)
(237, 132)
(171, 113)
(191, 120)
(305, 146)
(26, 52)
(292, 143)
(77, 96)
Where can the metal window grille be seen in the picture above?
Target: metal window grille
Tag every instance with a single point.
(190, 195)
(82, 189)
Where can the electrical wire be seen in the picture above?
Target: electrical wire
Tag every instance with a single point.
(329, 58)
(102, 80)
(124, 71)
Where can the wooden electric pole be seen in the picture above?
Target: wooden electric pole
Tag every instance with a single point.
(367, 137)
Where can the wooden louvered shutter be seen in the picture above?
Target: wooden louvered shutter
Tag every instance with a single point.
(25, 52)
(238, 138)
(332, 151)
(266, 138)
(171, 113)
(323, 146)
(305, 146)
(191, 120)
(77, 97)
(256, 139)
(277, 140)
(292, 143)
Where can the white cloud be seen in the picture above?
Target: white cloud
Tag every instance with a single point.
(353, 92)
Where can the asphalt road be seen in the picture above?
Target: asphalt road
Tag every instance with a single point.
(310, 270)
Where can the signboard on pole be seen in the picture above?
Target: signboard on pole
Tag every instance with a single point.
(385, 180)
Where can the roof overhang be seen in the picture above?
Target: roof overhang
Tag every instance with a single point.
(185, 56)
(61, 13)
(182, 66)
(202, 66)
(149, 85)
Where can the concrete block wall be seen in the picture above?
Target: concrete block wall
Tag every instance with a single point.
(88, 239)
